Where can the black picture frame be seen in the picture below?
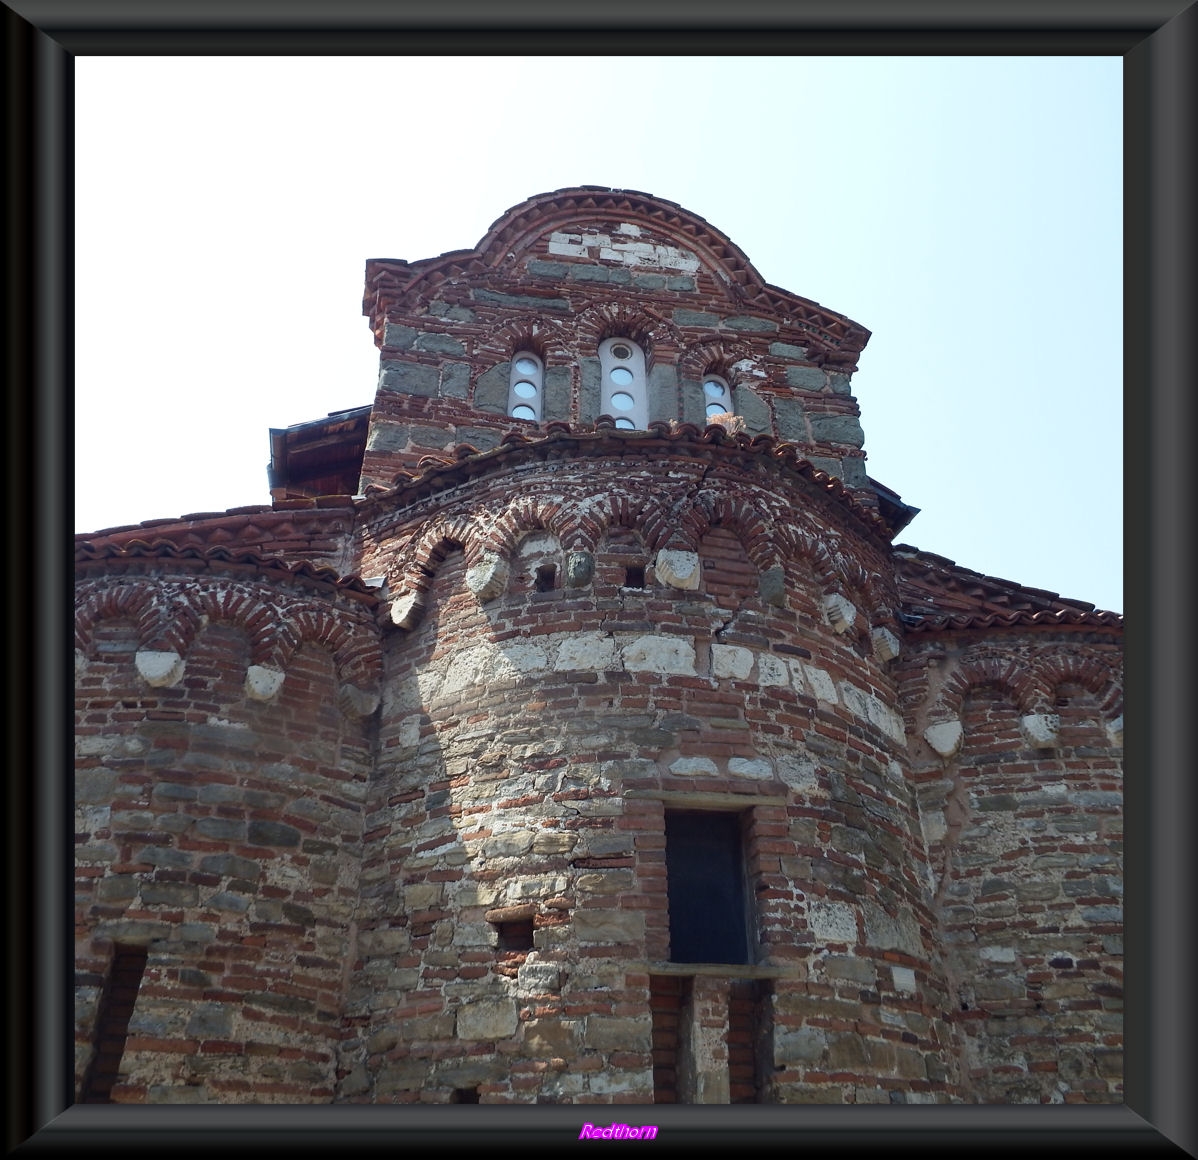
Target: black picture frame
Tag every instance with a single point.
(1158, 41)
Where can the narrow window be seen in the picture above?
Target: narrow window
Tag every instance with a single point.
(114, 1011)
(525, 387)
(705, 875)
(634, 576)
(464, 1096)
(622, 364)
(717, 396)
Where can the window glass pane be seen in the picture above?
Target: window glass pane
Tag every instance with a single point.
(523, 412)
(623, 401)
(705, 888)
(716, 409)
(626, 424)
(525, 366)
(714, 389)
(621, 376)
(525, 390)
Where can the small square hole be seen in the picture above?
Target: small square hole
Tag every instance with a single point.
(464, 1096)
(515, 936)
(546, 578)
(634, 576)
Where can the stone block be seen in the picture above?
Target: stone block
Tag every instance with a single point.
(837, 429)
(731, 661)
(944, 737)
(609, 1033)
(609, 926)
(660, 654)
(678, 569)
(159, 669)
(409, 378)
(487, 1019)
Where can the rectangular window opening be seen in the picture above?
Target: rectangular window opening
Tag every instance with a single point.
(464, 1096)
(113, 1013)
(706, 887)
(546, 578)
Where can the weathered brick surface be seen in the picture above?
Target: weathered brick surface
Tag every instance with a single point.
(404, 841)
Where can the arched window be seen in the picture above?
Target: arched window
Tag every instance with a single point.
(717, 396)
(622, 365)
(526, 386)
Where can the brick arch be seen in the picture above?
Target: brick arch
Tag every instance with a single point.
(987, 666)
(795, 543)
(238, 604)
(619, 320)
(1056, 666)
(545, 337)
(646, 515)
(140, 602)
(354, 647)
(717, 508)
(428, 549)
(719, 358)
(528, 513)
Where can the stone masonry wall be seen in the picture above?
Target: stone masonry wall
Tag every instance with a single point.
(1019, 777)
(538, 718)
(219, 789)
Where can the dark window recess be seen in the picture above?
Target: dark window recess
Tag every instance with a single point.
(634, 576)
(114, 1011)
(515, 936)
(667, 996)
(545, 578)
(706, 888)
(464, 1096)
(749, 1047)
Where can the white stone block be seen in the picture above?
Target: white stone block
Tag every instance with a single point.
(694, 767)
(160, 670)
(841, 612)
(487, 1019)
(586, 652)
(678, 569)
(660, 654)
(886, 645)
(998, 954)
(262, 683)
(821, 684)
(1041, 728)
(488, 578)
(772, 670)
(904, 980)
(832, 922)
(756, 767)
(730, 660)
(405, 609)
(944, 737)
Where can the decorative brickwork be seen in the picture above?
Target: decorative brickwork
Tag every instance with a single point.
(379, 783)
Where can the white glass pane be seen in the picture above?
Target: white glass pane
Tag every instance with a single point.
(626, 424)
(716, 409)
(523, 412)
(714, 389)
(525, 366)
(621, 376)
(624, 401)
(525, 390)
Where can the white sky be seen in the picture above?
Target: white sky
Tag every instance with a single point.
(967, 211)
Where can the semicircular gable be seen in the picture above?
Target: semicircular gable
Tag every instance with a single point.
(618, 233)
